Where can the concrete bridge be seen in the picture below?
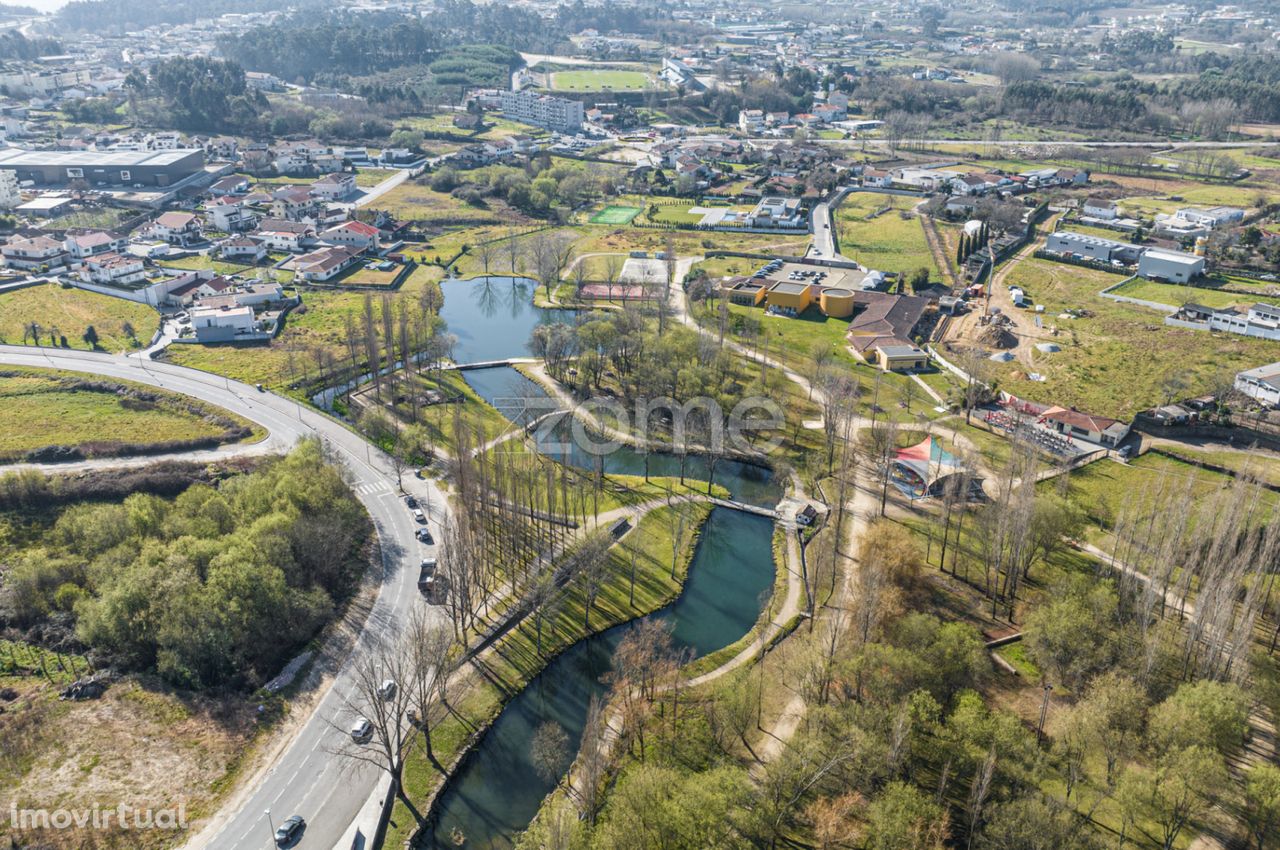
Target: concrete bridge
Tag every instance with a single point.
(771, 513)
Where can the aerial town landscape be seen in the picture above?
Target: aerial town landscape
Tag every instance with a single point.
(596, 424)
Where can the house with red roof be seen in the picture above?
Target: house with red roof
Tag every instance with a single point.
(353, 234)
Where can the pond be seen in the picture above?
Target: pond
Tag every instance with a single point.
(498, 791)
(493, 317)
(511, 393)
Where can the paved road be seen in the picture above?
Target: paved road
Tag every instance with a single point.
(823, 224)
(372, 194)
(307, 779)
(1006, 143)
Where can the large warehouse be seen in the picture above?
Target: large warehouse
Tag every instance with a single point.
(147, 169)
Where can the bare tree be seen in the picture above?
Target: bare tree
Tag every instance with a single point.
(380, 694)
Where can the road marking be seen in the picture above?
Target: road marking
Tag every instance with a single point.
(373, 488)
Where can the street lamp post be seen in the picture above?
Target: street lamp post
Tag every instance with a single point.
(271, 827)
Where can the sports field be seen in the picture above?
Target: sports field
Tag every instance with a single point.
(613, 214)
(599, 80)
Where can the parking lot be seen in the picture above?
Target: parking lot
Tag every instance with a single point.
(818, 275)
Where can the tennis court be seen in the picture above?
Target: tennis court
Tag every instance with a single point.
(614, 214)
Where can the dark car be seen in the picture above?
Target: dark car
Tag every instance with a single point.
(425, 536)
(411, 501)
(290, 830)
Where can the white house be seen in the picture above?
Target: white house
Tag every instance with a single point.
(177, 228)
(751, 120)
(230, 215)
(352, 234)
(280, 235)
(222, 323)
(27, 254)
(1105, 210)
(293, 203)
(243, 249)
(325, 263)
(334, 187)
(94, 242)
(117, 269)
(777, 211)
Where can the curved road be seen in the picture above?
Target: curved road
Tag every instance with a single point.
(307, 778)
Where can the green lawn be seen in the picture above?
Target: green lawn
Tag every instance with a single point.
(600, 80)
(614, 214)
(69, 312)
(887, 242)
(41, 408)
(1177, 295)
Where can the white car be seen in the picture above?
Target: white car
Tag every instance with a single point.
(362, 730)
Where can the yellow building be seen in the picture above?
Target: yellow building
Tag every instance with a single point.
(790, 296)
(837, 303)
(901, 357)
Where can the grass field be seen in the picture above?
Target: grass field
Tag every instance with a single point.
(41, 408)
(888, 241)
(412, 201)
(599, 80)
(614, 214)
(1123, 358)
(1177, 295)
(69, 312)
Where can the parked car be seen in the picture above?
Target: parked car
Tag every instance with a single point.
(411, 501)
(387, 690)
(424, 535)
(290, 830)
(362, 730)
(419, 517)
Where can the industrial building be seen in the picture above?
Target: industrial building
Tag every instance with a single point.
(1089, 247)
(103, 168)
(1171, 266)
(1261, 384)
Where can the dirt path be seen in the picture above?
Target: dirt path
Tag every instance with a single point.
(936, 247)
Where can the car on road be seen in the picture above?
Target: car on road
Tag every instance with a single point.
(387, 690)
(411, 501)
(362, 730)
(288, 831)
(419, 517)
(260, 388)
(424, 535)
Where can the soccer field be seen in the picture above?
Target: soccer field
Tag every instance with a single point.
(616, 215)
(599, 80)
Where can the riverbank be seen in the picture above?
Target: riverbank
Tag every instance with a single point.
(497, 675)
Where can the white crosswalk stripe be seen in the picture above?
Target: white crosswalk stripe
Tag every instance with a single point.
(373, 488)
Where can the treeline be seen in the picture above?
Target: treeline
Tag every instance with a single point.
(219, 586)
(535, 190)
(1252, 83)
(197, 94)
(1085, 107)
(14, 45)
(300, 47)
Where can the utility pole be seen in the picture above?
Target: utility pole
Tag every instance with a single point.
(1044, 710)
(271, 827)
